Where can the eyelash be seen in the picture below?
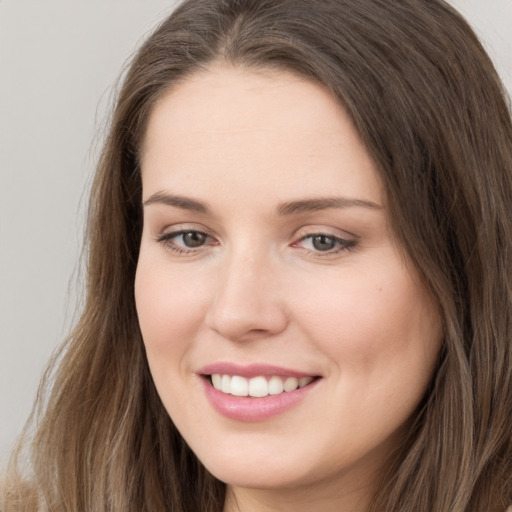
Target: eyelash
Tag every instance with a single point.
(342, 243)
(166, 240)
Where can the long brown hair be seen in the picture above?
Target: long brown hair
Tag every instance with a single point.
(431, 110)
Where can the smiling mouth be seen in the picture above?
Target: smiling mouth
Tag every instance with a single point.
(257, 387)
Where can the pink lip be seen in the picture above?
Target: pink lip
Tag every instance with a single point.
(252, 370)
(249, 408)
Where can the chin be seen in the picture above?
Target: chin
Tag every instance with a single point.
(261, 468)
(250, 476)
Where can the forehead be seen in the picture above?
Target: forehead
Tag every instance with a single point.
(268, 129)
(199, 95)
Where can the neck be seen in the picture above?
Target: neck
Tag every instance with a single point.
(303, 499)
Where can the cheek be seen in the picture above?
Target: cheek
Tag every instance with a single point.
(382, 334)
(368, 322)
(169, 307)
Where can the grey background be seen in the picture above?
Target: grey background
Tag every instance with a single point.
(58, 62)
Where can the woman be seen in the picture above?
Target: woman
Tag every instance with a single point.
(299, 287)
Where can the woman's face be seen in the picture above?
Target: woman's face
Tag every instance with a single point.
(268, 260)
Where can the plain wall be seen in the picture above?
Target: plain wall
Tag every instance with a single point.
(58, 63)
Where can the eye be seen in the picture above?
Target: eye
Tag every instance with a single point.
(184, 241)
(324, 243)
(193, 238)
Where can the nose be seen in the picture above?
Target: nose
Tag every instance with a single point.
(248, 302)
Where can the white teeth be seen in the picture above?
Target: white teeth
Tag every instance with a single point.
(257, 386)
(275, 386)
(225, 384)
(291, 383)
(217, 381)
(239, 386)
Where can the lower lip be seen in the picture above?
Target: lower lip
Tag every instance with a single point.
(242, 408)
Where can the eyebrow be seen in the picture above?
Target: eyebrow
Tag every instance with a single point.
(186, 203)
(315, 204)
(284, 209)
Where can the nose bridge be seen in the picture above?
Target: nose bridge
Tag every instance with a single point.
(247, 299)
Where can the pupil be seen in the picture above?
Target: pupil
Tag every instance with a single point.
(194, 239)
(323, 242)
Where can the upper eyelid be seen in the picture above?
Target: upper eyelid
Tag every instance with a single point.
(174, 233)
(306, 231)
(184, 228)
(340, 239)
(301, 233)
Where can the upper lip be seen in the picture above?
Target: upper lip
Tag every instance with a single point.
(252, 370)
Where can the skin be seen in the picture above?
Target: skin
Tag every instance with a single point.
(258, 290)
